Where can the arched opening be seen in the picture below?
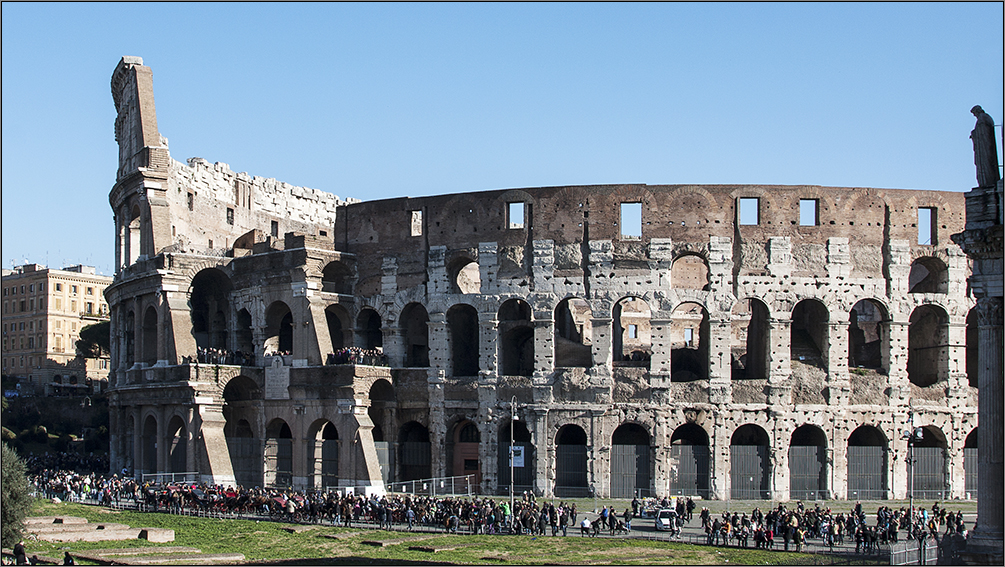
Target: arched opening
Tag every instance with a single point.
(245, 339)
(134, 236)
(462, 320)
(931, 472)
(323, 459)
(970, 455)
(571, 480)
(689, 272)
(278, 455)
(689, 340)
(749, 463)
(928, 275)
(339, 329)
(240, 406)
(928, 346)
(630, 458)
(465, 276)
(149, 446)
(808, 341)
(130, 333)
(867, 457)
(177, 445)
(414, 451)
(278, 329)
(524, 470)
(336, 278)
(633, 343)
(381, 413)
(209, 299)
(463, 451)
(150, 336)
(368, 326)
(414, 323)
(573, 334)
(690, 455)
(807, 464)
(749, 340)
(868, 324)
(517, 333)
(973, 338)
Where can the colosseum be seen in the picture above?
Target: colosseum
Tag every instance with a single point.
(721, 341)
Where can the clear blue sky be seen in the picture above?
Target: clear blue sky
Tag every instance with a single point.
(383, 100)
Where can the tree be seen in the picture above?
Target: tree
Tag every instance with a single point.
(15, 498)
(95, 340)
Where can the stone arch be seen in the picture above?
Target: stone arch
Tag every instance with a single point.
(278, 328)
(134, 235)
(749, 341)
(929, 274)
(571, 467)
(809, 333)
(928, 345)
(691, 458)
(690, 271)
(278, 454)
(241, 398)
(869, 324)
(209, 301)
(369, 331)
(808, 463)
(415, 333)
(750, 463)
(573, 333)
(245, 338)
(130, 334)
(523, 477)
(465, 276)
(931, 465)
(516, 332)
(323, 455)
(177, 438)
(867, 463)
(632, 336)
(337, 277)
(689, 342)
(462, 322)
(463, 446)
(148, 448)
(631, 454)
(149, 341)
(382, 403)
(970, 464)
(414, 451)
(339, 326)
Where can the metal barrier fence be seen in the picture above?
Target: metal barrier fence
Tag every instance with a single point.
(914, 552)
(439, 486)
(174, 478)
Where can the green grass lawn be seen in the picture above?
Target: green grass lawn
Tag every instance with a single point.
(269, 542)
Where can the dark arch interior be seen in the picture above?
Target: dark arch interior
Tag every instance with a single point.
(630, 434)
(689, 434)
(809, 435)
(520, 432)
(867, 436)
(749, 435)
(571, 435)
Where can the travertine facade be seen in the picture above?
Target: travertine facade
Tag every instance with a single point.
(722, 341)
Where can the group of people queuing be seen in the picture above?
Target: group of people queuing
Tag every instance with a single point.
(357, 355)
(211, 355)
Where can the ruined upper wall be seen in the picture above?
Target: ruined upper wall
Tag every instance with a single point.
(686, 215)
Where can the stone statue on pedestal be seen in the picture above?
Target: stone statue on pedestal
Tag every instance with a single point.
(985, 148)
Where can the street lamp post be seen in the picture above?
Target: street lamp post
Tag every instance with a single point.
(511, 464)
(912, 436)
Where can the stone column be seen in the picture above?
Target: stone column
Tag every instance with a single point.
(838, 383)
(538, 421)
(779, 362)
(437, 422)
(602, 343)
(544, 342)
(988, 533)
(720, 474)
(900, 389)
(719, 360)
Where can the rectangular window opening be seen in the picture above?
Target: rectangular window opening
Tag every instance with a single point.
(191, 202)
(927, 224)
(631, 220)
(689, 337)
(415, 226)
(230, 216)
(808, 215)
(515, 215)
(275, 229)
(633, 331)
(750, 211)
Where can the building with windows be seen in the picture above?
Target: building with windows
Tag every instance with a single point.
(733, 341)
(43, 312)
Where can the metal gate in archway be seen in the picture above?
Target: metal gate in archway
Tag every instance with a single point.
(630, 471)
(328, 450)
(749, 472)
(930, 473)
(806, 472)
(244, 459)
(866, 472)
(571, 478)
(692, 472)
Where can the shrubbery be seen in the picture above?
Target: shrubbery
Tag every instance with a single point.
(15, 498)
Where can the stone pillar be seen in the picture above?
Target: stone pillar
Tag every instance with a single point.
(439, 344)
(659, 365)
(988, 533)
(211, 444)
(900, 390)
(488, 344)
(838, 383)
(537, 419)
(719, 361)
(544, 342)
(437, 422)
(779, 362)
(720, 475)
(602, 343)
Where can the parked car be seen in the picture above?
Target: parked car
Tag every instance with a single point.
(667, 520)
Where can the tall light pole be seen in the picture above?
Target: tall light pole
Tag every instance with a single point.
(912, 436)
(512, 419)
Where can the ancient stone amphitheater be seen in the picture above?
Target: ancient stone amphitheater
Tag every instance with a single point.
(732, 341)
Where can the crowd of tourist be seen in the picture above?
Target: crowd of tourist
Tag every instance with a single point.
(357, 355)
(209, 355)
(76, 478)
